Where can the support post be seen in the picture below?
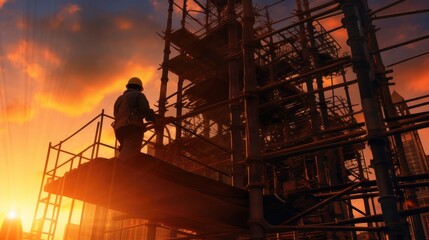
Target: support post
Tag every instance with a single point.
(164, 80)
(396, 229)
(389, 109)
(314, 114)
(238, 174)
(151, 227)
(255, 166)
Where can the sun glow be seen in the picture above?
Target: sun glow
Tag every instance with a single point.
(12, 214)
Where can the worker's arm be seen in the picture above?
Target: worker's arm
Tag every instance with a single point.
(145, 109)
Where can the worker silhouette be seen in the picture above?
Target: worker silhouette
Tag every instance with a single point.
(130, 110)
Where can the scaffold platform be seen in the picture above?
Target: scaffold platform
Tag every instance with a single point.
(149, 188)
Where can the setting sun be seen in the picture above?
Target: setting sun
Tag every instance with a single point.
(12, 214)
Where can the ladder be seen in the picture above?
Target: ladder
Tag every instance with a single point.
(58, 162)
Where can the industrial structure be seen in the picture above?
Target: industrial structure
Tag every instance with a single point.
(267, 142)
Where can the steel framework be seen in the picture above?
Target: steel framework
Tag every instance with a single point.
(264, 102)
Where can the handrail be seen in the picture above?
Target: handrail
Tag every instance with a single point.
(91, 121)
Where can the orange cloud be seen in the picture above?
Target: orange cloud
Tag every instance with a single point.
(123, 23)
(67, 17)
(85, 96)
(18, 112)
(419, 80)
(412, 76)
(74, 72)
(18, 56)
(2, 2)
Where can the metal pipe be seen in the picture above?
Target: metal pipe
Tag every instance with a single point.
(418, 105)
(395, 228)
(389, 110)
(314, 115)
(164, 79)
(414, 119)
(94, 144)
(310, 228)
(254, 163)
(340, 62)
(315, 16)
(204, 138)
(179, 107)
(303, 94)
(179, 103)
(407, 59)
(378, 217)
(319, 7)
(100, 130)
(405, 117)
(413, 99)
(369, 184)
(238, 172)
(159, 129)
(364, 192)
(34, 225)
(323, 203)
(211, 107)
(316, 146)
(400, 14)
(80, 129)
(401, 44)
(385, 7)
(406, 129)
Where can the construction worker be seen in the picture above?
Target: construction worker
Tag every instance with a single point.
(129, 111)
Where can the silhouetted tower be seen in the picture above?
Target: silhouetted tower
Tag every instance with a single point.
(417, 160)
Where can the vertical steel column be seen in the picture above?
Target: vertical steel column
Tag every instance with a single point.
(164, 80)
(361, 66)
(346, 90)
(332, 162)
(207, 12)
(315, 118)
(271, 48)
(255, 166)
(179, 96)
(238, 174)
(365, 200)
(389, 109)
(151, 227)
(316, 63)
(179, 109)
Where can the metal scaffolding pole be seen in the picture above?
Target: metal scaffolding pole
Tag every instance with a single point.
(361, 66)
(314, 115)
(253, 145)
(179, 97)
(164, 80)
(389, 109)
(159, 129)
(238, 172)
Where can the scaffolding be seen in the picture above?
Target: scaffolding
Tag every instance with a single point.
(264, 115)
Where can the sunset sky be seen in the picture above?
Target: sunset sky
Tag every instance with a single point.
(62, 62)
